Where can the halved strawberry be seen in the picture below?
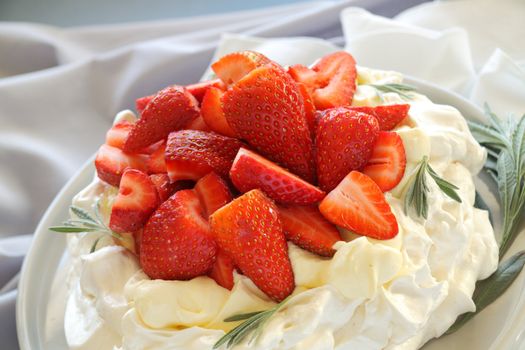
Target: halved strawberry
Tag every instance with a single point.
(213, 193)
(359, 205)
(331, 81)
(345, 139)
(137, 198)
(197, 124)
(232, 67)
(164, 187)
(222, 270)
(266, 109)
(176, 241)
(387, 163)
(117, 135)
(248, 229)
(307, 228)
(388, 116)
(191, 154)
(142, 102)
(170, 110)
(111, 162)
(198, 90)
(250, 171)
(156, 163)
(212, 113)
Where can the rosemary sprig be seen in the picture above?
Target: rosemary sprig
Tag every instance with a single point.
(86, 223)
(402, 90)
(417, 191)
(253, 323)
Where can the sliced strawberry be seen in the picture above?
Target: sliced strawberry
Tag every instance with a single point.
(250, 171)
(198, 90)
(176, 242)
(197, 124)
(111, 163)
(222, 270)
(248, 229)
(344, 141)
(331, 81)
(387, 116)
(213, 193)
(232, 67)
(170, 110)
(164, 187)
(212, 113)
(387, 163)
(142, 102)
(117, 135)
(307, 228)
(156, 163)
(266, 109)
(309, 108)
(191, 154)
(137, 198)
(359, 205)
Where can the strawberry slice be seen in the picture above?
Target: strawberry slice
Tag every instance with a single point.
(359, 205)
(213, 193)
(176, 241)
(222, 270)
(266, 109)
(198, 90)
(387, 116)
(164, 187)
(156, 163)
(344, 141)
(309, 108)
(307, 228)
(137, 198)
(111, 162)
(117, 135)
(197, 124)
(232, 67)
(191, 154)
(331, 81)
(250, 171)
(387, 163)
(212, 113)
(248, 229)
(170, 110)
(142, 102)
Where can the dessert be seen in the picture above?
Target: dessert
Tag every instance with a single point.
(295, 190)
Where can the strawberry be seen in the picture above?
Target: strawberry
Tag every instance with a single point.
(387, 163)
(222, 270)
(331, 81)
(191, 154)
(266, 109)
(156, 163)
(198, 90)
(213, 192)
(170, 110)
(142, 102)
(387, 116)
(111, 162)
(307, 228)
(165, 188)
(359, 205)
(248, 229)
(176, 241)
(250, 171)
(232, 67)
(309, 108)
(344, 141)
(137, 198)
(117, 135)
(212, 113)
(197, 124)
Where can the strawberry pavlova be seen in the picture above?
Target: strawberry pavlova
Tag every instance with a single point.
(322, 207)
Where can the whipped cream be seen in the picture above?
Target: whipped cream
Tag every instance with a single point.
(394, 294)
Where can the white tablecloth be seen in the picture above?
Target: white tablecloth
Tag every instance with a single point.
(59, 89)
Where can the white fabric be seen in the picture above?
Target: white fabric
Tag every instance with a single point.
(61, 88)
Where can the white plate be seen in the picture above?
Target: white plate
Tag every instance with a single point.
(42, 290)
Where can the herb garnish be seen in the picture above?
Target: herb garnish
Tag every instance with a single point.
(417, 191)
(400, 89)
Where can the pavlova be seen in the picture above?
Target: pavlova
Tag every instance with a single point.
(322, 207)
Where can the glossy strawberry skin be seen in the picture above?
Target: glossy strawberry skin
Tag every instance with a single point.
(250, 171)
(249, 230)
(213, 193)
(111, 163)
(156, 163)
(345, 139)
(266, 109)
(222, 270)
(176, 241)
(142, 102)
(388, 116)
(164, 187)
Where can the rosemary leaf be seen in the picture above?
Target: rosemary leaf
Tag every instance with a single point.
(400, 89)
